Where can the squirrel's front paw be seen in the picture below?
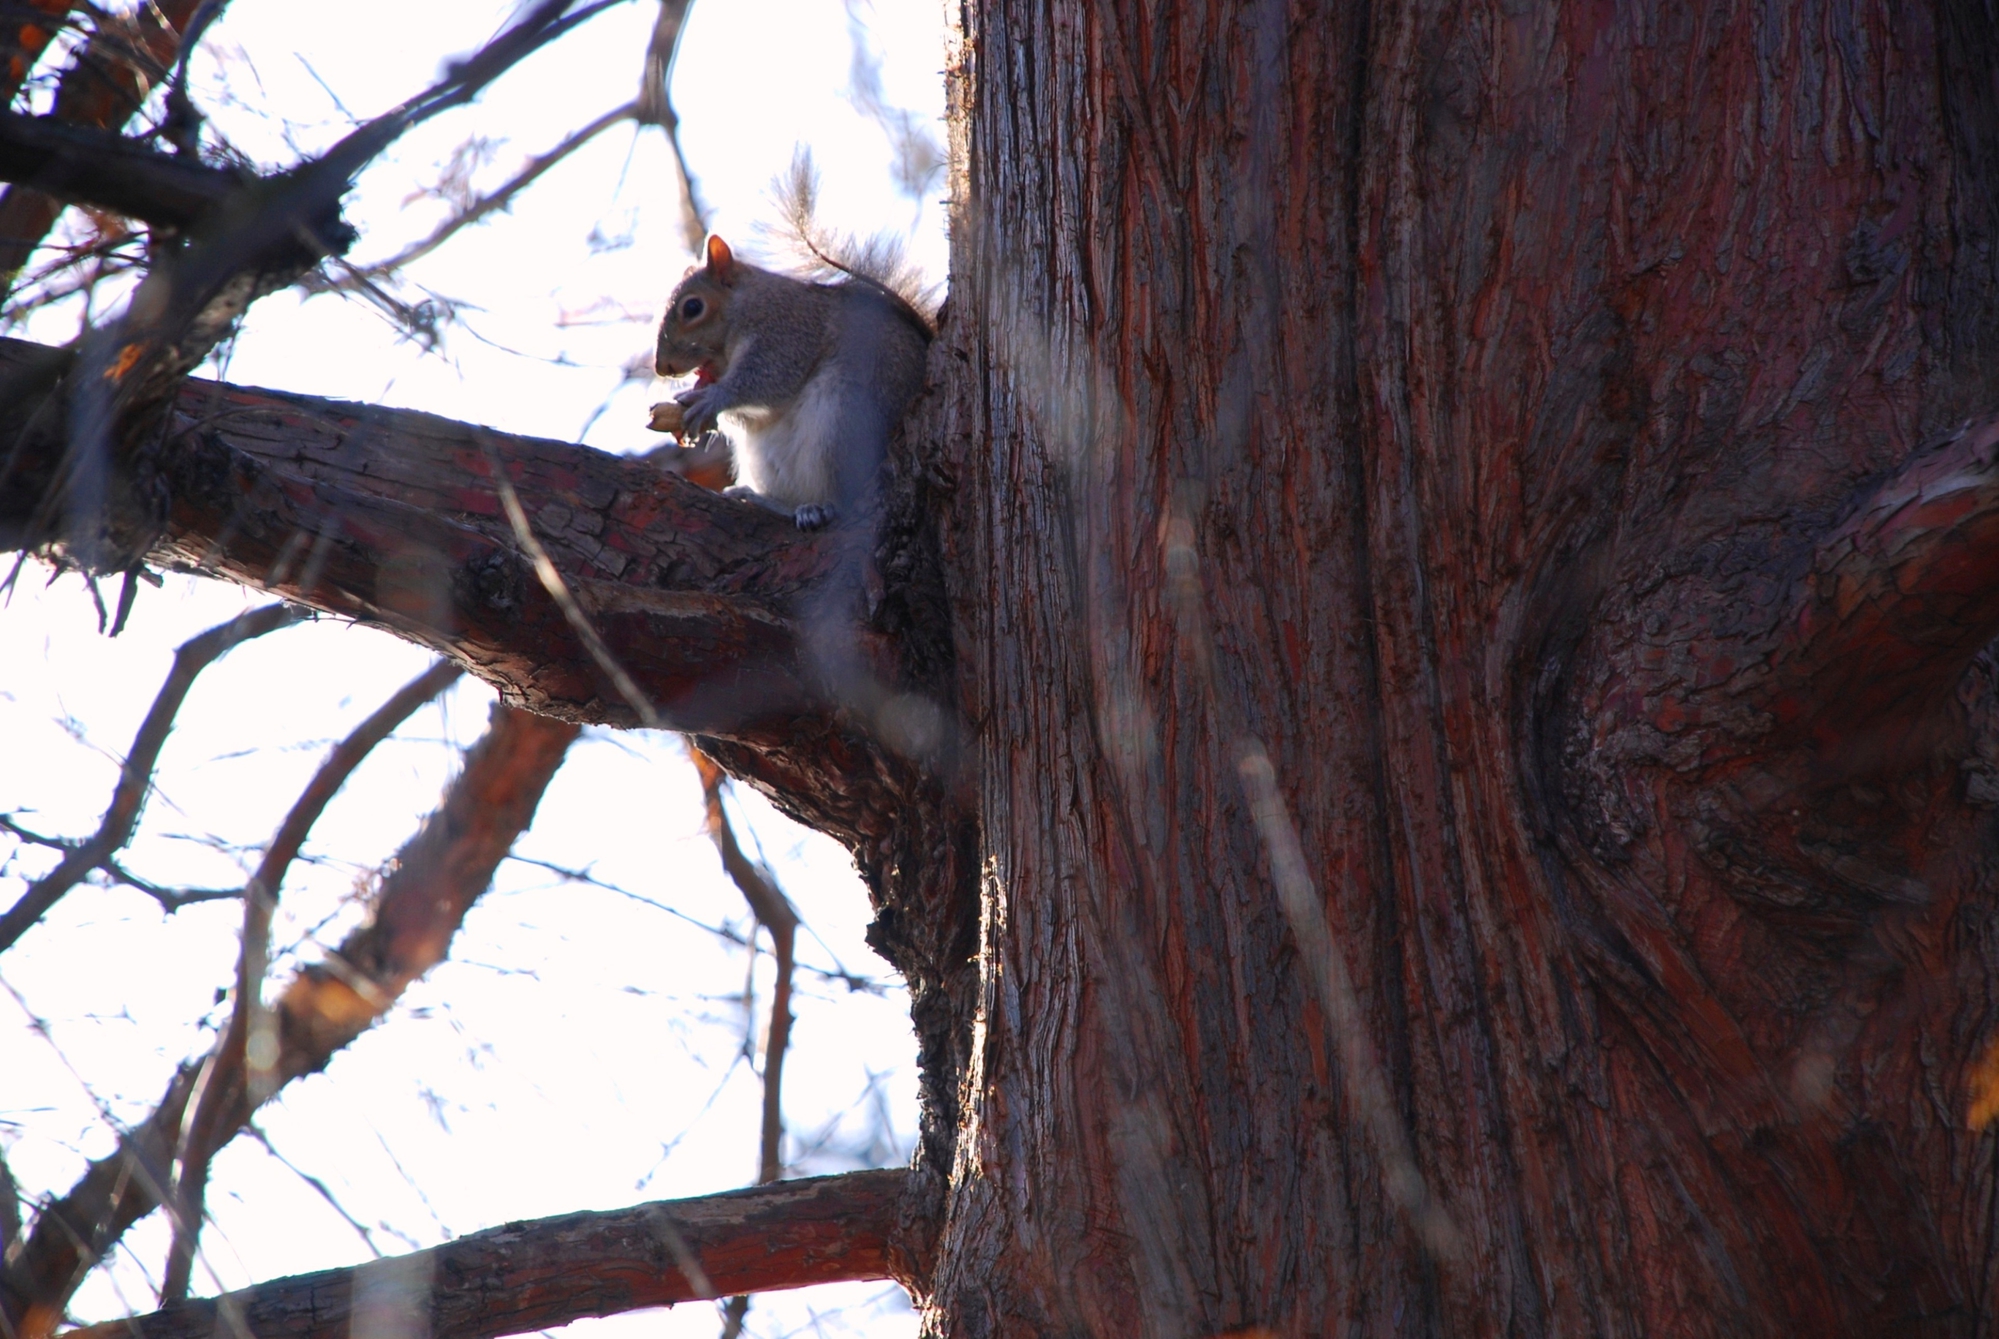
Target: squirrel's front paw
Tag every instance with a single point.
(814, 515)
(698, 408)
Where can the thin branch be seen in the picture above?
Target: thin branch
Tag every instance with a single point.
(434, 880)
(170, 899)
(487, 204)
(770, 906)
(533, 1275)
(836, 975)
(182, 126)
(135, 777)
(260, 239)
(169, 325)
(655, 108)
(248, 1051)
(319, 1187)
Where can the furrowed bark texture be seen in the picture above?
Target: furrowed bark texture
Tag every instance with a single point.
(392, 517)
(1562, 404)
(530, 1276)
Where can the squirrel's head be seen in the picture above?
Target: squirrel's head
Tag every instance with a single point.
(695, 330)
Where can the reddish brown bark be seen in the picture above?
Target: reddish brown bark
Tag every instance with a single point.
(1557, 418)
(532, 1275)
(391, 517)
(1547, 395)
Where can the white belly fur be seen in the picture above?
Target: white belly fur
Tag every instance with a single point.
(788, 458)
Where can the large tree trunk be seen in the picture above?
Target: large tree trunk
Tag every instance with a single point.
(1551, 405)
(1470, 541)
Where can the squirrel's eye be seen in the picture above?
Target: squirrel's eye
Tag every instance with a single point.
(692, 308)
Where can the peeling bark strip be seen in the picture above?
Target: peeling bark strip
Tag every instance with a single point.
(532, 1275)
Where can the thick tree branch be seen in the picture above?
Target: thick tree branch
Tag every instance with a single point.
(388, 517)
(135, 776)
(1844, 646)
(92, 166)
(434, 880)
(105, 85)
(532, 1275)
(1901, 594)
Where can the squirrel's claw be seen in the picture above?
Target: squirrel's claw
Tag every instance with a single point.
(699, 408)
(814, 515)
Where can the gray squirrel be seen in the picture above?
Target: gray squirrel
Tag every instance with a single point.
(808, 379)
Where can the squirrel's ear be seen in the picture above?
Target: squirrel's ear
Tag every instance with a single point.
(721, 260)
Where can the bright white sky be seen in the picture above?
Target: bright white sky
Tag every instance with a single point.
(578, 1050)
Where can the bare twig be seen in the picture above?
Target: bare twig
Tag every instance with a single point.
(434, 880)
(182, 126)
(319, 1187)
(854, 982)
(170, 899)
(918, 159)
(655, 108)
(534, 1275)
(249, 1049)
(770, 906)
(487, 204)
(135, 777)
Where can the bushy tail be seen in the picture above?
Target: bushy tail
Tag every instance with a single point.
(826, 253)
